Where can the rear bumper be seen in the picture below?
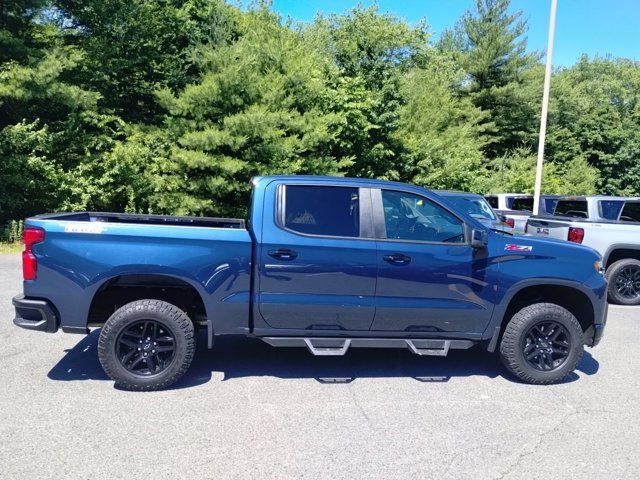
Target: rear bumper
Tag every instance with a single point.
(35, 314)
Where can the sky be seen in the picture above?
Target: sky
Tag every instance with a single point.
(594, 27)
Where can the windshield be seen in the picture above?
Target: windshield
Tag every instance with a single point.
(477, 207)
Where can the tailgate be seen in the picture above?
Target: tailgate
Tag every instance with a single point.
(548, 228)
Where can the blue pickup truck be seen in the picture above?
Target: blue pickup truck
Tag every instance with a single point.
(323, 263)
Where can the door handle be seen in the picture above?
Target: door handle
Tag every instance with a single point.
(397, 259)
(283, 254)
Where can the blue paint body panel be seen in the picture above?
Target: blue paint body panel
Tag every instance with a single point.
(73, 266)
(336, 286)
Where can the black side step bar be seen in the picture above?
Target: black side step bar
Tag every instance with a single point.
(322, 346)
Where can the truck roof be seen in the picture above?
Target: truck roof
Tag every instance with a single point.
(509, 194)
(456, 193)
(598, 197)
(327, 178)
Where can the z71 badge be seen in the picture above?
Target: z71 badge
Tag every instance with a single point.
(512, 247)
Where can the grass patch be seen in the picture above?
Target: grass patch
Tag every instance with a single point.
(14, 247)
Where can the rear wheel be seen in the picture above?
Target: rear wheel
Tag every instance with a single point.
(146, 345)
(542, 344)
(624, 282)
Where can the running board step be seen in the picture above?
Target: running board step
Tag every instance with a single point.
(439, 349)
(324, 346)
(340, 350)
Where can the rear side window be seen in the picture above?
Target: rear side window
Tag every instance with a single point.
(610, 209)
(572, 208)
(493, 200)
(631, 212)
(327, 211)
(522, 203)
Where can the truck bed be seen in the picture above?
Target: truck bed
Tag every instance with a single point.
(210, 222)
(90, 252)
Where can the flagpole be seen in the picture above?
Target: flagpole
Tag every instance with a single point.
(545, 108)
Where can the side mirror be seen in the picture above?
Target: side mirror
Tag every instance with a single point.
(478, 238)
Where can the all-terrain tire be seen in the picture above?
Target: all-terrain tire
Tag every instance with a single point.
(514, 337)
(131, 314)
(613, 274)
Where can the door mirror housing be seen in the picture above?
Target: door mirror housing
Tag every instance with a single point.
(478, 238)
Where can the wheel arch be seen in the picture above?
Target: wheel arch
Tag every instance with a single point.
(570, 295)
(620, 251)
(122, 288)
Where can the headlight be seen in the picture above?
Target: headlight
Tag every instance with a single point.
(598, 267)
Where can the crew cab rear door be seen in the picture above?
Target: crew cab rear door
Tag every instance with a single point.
(317, 258)
(429, 277)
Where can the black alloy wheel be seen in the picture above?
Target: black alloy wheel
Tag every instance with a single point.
(146, 348)
(546, 346)
(627, 282)
(542, 343)
(146, 345)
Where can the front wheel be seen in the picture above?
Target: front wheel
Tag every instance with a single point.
(542, 344)
(146, 345)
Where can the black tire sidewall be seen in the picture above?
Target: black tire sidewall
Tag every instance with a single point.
(612, 273)
(170, 316)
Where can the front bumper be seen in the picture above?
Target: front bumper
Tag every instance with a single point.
(35, 314)
(596, 332)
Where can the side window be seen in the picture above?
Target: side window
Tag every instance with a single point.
(610, 209)
(550, 204)
(631, 212)
(329, 211)
(411, 217)
(571, 208)
(523, 204)
(493, 200)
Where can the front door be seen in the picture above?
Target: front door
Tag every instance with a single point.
(429, 278)
(317, 269)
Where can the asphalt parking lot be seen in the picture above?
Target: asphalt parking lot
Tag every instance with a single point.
(247, 410)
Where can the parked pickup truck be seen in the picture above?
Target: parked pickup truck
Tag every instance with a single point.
(476, 206)
(611, 226)
(516, 208)
(323, 263)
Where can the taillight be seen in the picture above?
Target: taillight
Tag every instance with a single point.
(30, 237)
(510, 221)
(576, 235)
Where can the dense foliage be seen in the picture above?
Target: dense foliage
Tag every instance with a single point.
(172, 106)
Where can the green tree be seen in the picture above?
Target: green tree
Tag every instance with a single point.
(263, 105)
(440, 131)
(19, 33)
(134, 47)
(490, 46)
(373, 51)
(516, 171)
(595, 114)
(41, 114)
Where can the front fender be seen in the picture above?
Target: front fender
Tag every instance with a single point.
(595, 290)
